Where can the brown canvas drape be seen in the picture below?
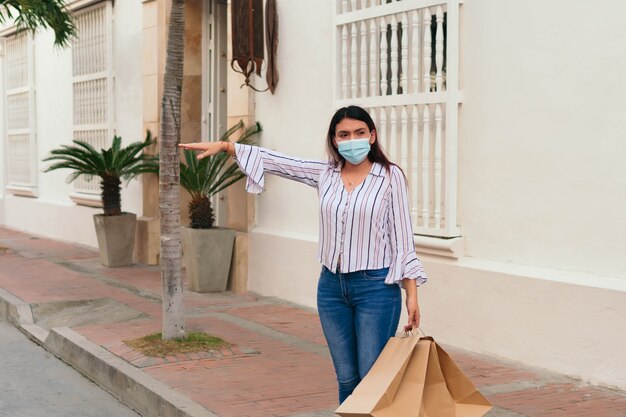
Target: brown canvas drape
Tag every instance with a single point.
(247, 40)
(247, 37)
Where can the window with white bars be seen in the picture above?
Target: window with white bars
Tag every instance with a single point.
(92, 70)
(20, 114)
(399, 60)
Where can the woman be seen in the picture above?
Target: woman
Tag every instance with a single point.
(366, 240)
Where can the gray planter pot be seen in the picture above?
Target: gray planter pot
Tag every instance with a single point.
(206, 256)
(116, 238)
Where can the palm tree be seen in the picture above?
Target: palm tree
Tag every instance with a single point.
(173, 325)
(204, 178)
(112, 166)
(31, 15)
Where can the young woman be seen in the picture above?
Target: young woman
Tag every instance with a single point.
(366, 240)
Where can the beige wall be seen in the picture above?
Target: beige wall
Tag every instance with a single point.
(240, 105)
(153, 68)
(154, 51)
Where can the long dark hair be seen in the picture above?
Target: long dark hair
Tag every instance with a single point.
(376, 153)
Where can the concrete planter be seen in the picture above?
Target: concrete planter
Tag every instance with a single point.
(116, 238)
(206, 256)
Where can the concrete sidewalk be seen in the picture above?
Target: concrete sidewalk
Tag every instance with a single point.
(62, 297)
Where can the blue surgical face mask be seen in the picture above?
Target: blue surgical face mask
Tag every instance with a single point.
(354, 150)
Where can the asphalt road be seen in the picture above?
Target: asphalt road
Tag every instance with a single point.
(36, 384)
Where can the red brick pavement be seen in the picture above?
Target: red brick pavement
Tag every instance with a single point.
(263, 375)
(486, 372)
(564, 400)
(286, 319)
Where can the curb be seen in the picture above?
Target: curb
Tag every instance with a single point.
(131, 386)
(14, 309)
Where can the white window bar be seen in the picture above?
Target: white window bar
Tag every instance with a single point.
(92, 70)
(405, 72)
(21, 136)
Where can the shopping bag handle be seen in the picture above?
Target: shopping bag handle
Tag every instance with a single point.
(408, 330)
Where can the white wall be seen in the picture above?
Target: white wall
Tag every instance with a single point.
(283, 255)
(541, 183)
(53, 213)
(523, 313)
(542, 134)
(296, 118)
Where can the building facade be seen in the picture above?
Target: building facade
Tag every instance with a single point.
(54, 95)
(506, 118)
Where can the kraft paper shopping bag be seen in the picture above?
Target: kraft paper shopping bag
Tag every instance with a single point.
(414, 377)
(379, 388)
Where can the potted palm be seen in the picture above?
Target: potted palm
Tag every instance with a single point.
(115, 229)
(207, 250)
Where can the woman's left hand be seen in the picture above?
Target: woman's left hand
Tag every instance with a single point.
(413, 311)
(412, 306)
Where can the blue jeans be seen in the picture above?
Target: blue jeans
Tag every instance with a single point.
(359, 313)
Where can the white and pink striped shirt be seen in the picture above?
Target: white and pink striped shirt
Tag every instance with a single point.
(367, 228)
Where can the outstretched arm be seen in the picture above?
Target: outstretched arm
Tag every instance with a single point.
(255, 161)
(210, 148)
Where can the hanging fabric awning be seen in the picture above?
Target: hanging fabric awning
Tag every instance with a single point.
(247, 37)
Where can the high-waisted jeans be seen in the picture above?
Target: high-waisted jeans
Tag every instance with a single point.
(359, 313)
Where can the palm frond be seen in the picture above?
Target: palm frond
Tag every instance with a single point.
(84, 151)
(247, 137)
(113, 164)
(32, 15)
(72, 160)
(233, 129)
(208, 176)
(146, 168)
(212, 168)
(115, 149)
(186, 178)
(107, 156)
(68, 164)
(225, 176)
(212, 174)
(238, 176)
(190, 158)
(86, 146)
(130, 159)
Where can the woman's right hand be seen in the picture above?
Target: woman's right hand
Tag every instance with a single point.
(208, 148)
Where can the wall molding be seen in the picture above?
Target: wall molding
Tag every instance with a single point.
(83, 199)
(75, 5)
(448, 247)
(23, 191)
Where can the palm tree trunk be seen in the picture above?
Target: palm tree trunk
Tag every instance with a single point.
(169, 171)
(111, 197)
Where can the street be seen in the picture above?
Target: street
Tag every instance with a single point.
(36, 384)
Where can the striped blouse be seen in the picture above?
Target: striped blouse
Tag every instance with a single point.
(367, 228)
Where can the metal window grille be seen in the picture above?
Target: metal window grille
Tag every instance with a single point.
(399, 60)
(20, 112)
(92, 70)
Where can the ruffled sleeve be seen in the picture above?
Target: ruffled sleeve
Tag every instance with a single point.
(255, 161)
(404, 260)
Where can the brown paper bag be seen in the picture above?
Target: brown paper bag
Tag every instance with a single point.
(414, 377)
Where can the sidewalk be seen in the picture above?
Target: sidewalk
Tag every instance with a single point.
(279, 364)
